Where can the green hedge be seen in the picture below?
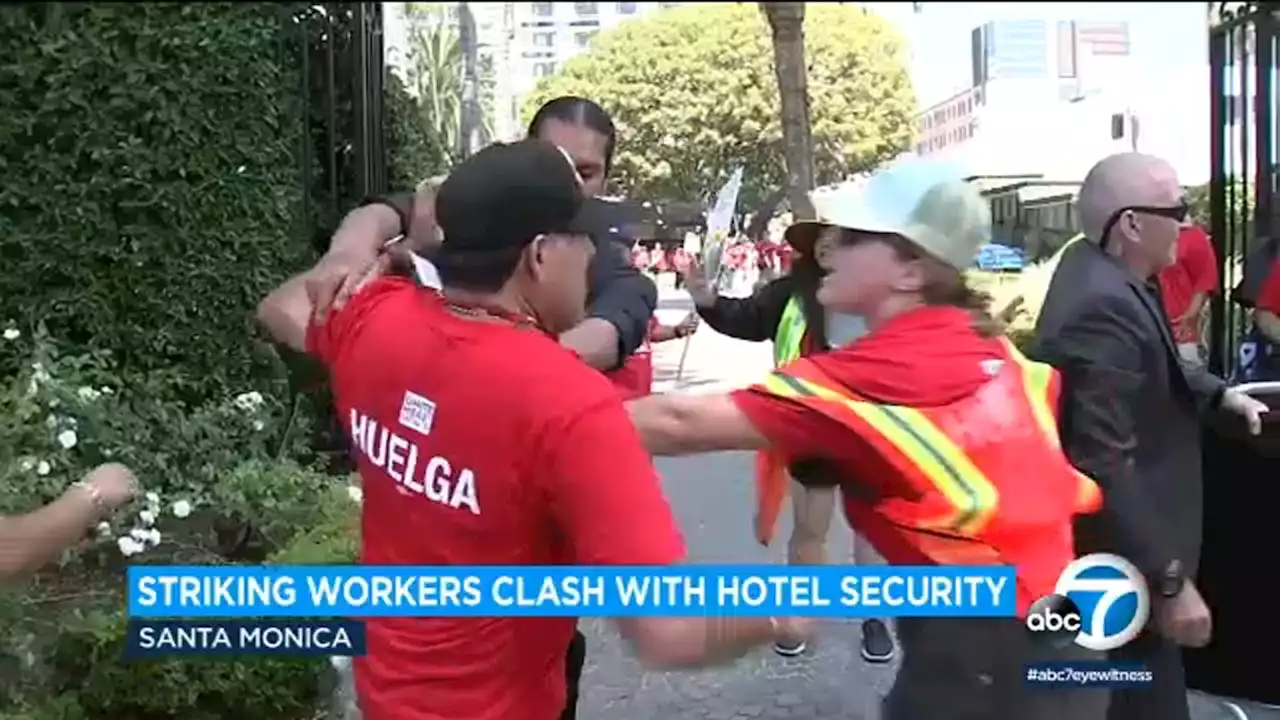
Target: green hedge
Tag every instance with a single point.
(151, 178)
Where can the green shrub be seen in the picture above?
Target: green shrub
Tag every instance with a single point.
(151, 180)
(221, 488)
(81, 667)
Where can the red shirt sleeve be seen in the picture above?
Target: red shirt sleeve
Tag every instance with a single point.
(605, 494)
(793, 429)
(1202, 265)
(327, 340)
(1269, 294)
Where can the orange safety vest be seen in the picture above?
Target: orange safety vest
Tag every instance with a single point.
(982, 479)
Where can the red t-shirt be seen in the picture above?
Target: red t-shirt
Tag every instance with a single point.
(929, 356)
(1269, 293)
(635, 378)
(1195, 272)
(480, 443)
(784, 257)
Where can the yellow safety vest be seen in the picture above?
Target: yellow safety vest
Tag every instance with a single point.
(789, 336)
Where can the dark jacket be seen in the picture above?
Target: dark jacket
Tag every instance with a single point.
(756, 318)
(618, 293)
(1131, 410)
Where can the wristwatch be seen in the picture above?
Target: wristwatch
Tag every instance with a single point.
(1171, 580)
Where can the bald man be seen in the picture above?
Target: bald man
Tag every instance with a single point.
(1132, 411)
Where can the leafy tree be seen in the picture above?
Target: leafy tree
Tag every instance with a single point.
(694, 94)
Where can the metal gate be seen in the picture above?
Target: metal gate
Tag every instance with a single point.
(1243, 61)
(340, 56)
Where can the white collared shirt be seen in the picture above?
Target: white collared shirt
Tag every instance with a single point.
(426, 272)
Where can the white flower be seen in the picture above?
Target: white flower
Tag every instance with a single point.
(88, 394)
(147, 517)
(12, 334)
(106, 390)
(43, 468)
(153, 499)
(28, 464)
(67, 439)
(181, 509)
(129, 546)
(249, 402)
(153, 537)
(355, 493)
(104, 529)
(139, 534)
(54, 402)
(258, 425)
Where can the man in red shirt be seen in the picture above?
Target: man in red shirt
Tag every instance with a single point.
(929, 381)
(480, 440)
(1185, 287)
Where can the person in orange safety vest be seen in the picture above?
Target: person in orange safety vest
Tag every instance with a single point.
(945, 433)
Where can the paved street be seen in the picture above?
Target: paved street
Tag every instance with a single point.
(712, 498)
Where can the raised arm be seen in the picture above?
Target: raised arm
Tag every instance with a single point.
(753, 318)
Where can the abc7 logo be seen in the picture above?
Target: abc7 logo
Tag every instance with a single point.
(1100, 602)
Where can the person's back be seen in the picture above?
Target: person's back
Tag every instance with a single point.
(441, 488)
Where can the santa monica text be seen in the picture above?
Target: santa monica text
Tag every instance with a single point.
(154, 638)
(157, 591)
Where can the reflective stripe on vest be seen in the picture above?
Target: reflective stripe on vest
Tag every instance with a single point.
(1043, 387)
(906, 436)
(790, 333)
(913, 444)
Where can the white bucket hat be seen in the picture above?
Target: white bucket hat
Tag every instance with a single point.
(922, 201)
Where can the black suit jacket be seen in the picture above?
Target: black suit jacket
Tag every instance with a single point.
(1131, 410)
(618, 292)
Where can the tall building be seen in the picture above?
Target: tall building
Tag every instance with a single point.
(545, 35)
(1043, 93)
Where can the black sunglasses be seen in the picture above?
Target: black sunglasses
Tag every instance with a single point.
(1179, 212)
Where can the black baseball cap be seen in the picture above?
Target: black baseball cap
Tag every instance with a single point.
(503, 197)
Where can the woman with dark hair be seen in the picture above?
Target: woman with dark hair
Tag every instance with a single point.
(786, 311)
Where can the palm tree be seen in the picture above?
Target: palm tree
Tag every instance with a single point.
(471, 115)
(786, 22)
(436, 73)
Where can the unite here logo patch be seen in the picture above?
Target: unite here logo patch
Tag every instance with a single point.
(417, 413)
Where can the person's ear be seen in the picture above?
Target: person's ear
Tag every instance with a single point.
(911, 277)
(535, 258)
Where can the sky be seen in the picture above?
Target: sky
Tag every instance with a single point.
(1165, 37)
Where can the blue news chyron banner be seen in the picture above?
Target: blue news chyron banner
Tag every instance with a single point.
(147, 639)
(157, 591)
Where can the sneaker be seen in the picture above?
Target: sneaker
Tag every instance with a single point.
(790, 650)
(877, 642)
